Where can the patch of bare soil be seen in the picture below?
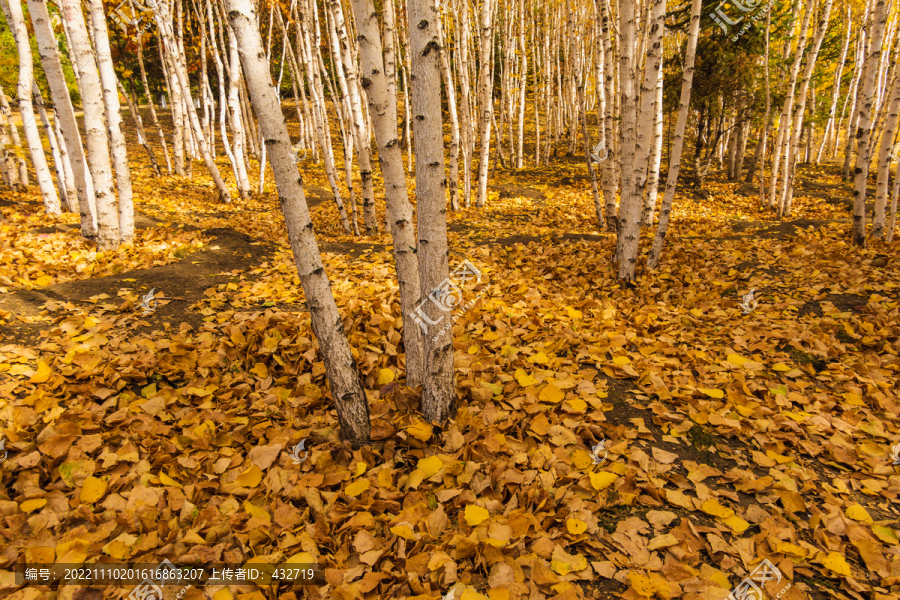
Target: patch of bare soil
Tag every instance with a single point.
(184, 283)
(777, 231)
(842, 302)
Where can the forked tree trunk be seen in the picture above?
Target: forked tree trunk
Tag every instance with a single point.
(867, 91)
(383, 111)
(340, 367)
(16, 20)
(675, 159)
(65, 116)
(113, 121)
(95, 126)
(438, 391)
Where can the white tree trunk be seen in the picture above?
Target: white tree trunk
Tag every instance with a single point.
(65, 116)
(113, 121)
(656, 152)
(340, 367)
(787, 191)
(237, 122)
(628, 238)
(884, 161)
(149, 96)
(867, 89)
(675, 159)
(647, 113)
(438, 391)
(450, 88)
(16, 20)
(61, 182)
(95, 126)
(167, 37)
(383, 111)
(485, 99)
(22, 172)
(836, 89)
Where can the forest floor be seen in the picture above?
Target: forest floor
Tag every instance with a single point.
(136, 435)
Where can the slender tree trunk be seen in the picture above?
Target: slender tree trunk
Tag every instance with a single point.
(867, 83)
(340, 367)
(95, 126)
(61, 182)
(885, 159)
(16, 20)
(383, 110)
(438, 392)
(22, 176)
(167, 37)
(113, 121)
(836, 91)
(787, 192)
(485, 99)
(468, 122)
(628, 233)
(149, 96)
(610, 177)
(65, 116)
(859, 65)
(454, 121)
(139, 127)
(675, 160)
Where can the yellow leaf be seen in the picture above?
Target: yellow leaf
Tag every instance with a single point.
(574, 314)
(223, 594)
(780, 367)
(885, 534)
(581, 459)
(43, 281)
(621, 360)
(737, 360)
(602, 480)
(405, 531)
(564, 563)
(33, 504)
(357, 487)
(551, 393)
(540, 358)
(858, 513)
(92, 490)
(575, 405)
(421, 431)
(385, 479)
(853, 399)
(737, 524)
(836, 563)
(385, 376)
(576, 526)
(713, 393)
(117, 550)
(42, 374)
(250, 478)
(641, 584)
(523, 378)
(789, 548)
(256, 511)
(166, 480)
(260, 370)
(430, 465)
(663, 541)
(712, 507)
(475, 515)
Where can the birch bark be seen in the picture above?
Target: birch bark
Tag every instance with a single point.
(438, 390)
(867, 83)
(343, 375)
(485, 99)
(675, 160)
(16, 19)
(884, 161)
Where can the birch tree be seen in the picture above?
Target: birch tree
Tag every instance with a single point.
(340, 366)
(687, 81)
(438, 391)
(867, 90)
(485, 99)
(16, 20)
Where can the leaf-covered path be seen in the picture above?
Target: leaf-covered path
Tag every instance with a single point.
(731, 437)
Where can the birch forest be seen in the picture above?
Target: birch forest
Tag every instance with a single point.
(449, 299)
